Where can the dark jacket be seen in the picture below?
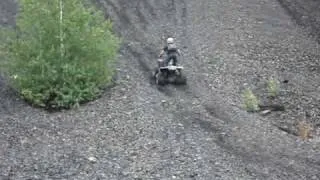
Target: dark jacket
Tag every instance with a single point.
(165, 49)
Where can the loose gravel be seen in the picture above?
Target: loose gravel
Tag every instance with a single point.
(199, 131)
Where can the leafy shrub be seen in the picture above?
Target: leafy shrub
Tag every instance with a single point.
(61, 53)
(251, 102)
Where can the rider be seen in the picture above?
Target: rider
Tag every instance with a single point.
(171, 50)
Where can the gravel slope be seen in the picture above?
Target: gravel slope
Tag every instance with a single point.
(193, 132)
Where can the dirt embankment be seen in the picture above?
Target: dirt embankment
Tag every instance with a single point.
(300, 73)
(304, 13)
(137, 131)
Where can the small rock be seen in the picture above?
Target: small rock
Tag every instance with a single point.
(265, 112)
(133, 153)
(5, 20)
(125, 173)
(193, 175)
(308, 114)
(92, 159)
(177, 153)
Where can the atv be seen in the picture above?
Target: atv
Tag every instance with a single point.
(168, 74)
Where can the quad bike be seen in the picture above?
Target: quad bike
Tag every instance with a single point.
(168, 74)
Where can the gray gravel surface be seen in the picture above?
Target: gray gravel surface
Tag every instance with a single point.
(200, 131)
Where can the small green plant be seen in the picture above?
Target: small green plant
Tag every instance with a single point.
(214, 60)
(273, 87)
(251, 102)
(61, 53)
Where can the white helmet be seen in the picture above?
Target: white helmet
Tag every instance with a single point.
(170, 40)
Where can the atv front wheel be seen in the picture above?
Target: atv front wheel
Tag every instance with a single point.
(160, 80)
(181, 79)
(155, 72)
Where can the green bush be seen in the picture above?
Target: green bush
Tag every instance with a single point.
(251, 102)
(61, 53)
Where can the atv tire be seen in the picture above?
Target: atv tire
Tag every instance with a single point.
(160, 80)
(181, 79)
(155, 72)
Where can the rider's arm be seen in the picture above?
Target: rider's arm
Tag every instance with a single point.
(179, 51)
(161, 53)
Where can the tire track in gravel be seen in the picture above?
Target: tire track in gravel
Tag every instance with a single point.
(145, 53)
(305, 14)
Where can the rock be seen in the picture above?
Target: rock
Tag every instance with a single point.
(5, 20)
(92, 159)
(265, 112)
(193, 175)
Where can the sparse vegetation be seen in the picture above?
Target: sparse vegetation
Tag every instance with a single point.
(251, 102)
(61, 53)
(304, 130)
(273, 87)
(215, 60)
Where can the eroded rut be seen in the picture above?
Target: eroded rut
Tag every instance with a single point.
(139, 132)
